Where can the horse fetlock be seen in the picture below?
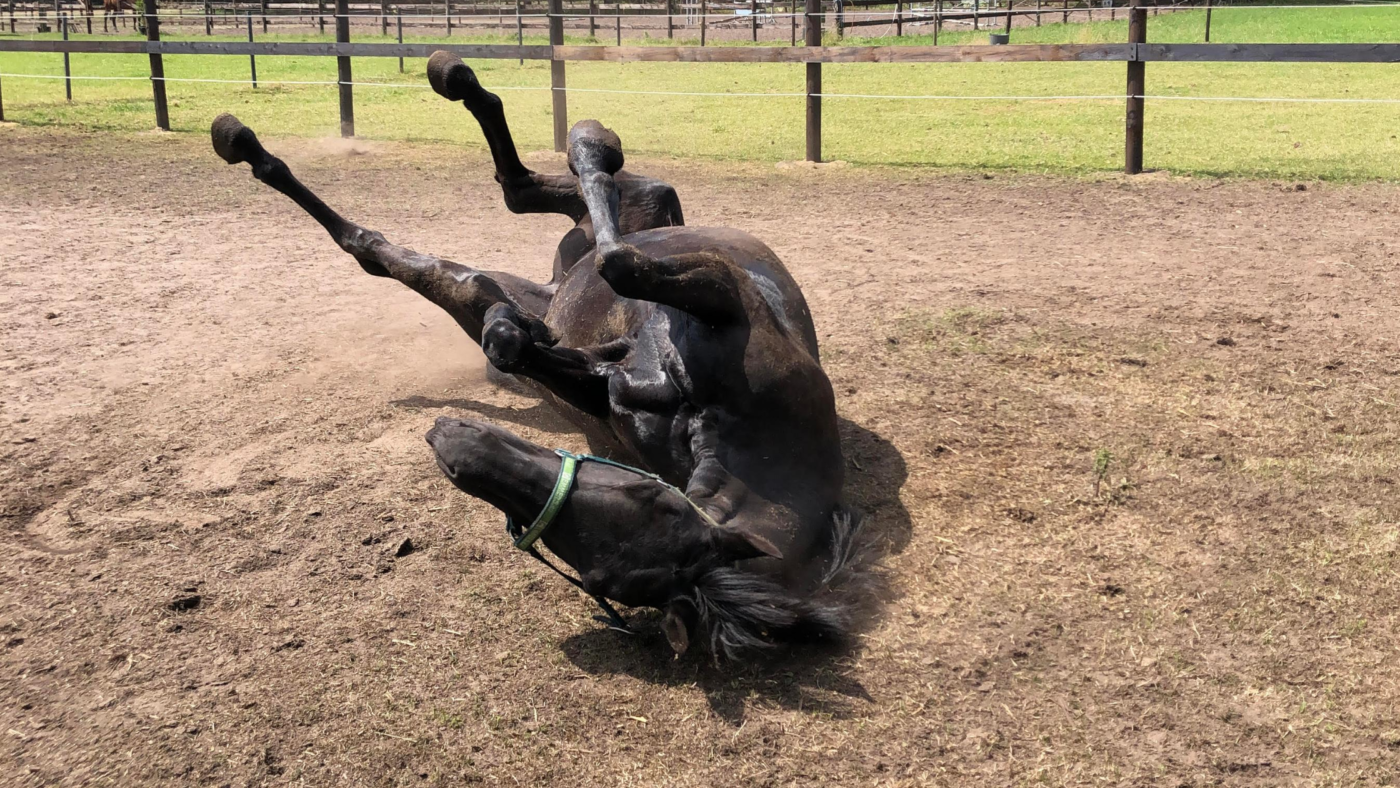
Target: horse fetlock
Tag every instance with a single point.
(270, 169)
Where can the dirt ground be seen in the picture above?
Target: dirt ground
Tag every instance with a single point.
(1130, 447)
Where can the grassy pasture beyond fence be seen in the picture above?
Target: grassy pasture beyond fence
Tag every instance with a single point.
(1340, 141)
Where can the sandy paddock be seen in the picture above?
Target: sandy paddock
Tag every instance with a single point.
(1130, 447)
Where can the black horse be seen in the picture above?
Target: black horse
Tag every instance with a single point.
(687, 351)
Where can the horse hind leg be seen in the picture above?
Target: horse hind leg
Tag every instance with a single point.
(464, 293)
(525, 190)
(702, 284)
(237, 144)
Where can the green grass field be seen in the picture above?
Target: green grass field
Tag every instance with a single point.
(1074, 136)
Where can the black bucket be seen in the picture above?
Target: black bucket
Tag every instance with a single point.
(1000, 38)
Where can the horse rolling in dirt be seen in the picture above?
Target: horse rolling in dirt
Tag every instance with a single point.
(688, 351)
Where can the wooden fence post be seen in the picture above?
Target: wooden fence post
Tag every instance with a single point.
(1208, 10)
(67, 69)
(321, 15)
(937, 19)
(840, 18)
(1037, 13)
(252, 59)
(976, 12)
(618, 19)
(1137, 85)
(343, 76)
(556, 76)
(398, 22)
(519, 30)
(592, 18)
(264, 16)
(157, 66)
(670, 19)
(447, 6)
(383, 17)
(813, 22)
(898, 18)
(89, 22)
(1010, 5)
(208, 20)
(753, 20)
(1065, 21)
(704, 17)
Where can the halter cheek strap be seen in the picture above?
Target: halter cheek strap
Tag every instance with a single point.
(525, 538)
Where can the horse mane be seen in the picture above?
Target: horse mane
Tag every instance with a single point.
(742, 614)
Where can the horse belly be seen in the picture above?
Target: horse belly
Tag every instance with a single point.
(585, 311)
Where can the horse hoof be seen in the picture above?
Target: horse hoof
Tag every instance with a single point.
(593, 146)
(450, 77)
(504, 343)
(233, 141)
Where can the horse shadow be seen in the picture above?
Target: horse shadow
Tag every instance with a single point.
(809, 681)
(875, 474)
(812, 681)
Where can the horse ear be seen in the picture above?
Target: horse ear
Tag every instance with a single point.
(677, 629)
(738, 544)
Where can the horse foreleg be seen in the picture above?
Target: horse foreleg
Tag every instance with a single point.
(519, 343)
(463, 292)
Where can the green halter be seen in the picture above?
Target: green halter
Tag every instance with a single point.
(525, 538)
(564, 484)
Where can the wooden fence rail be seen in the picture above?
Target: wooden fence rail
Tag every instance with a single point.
(1009, 53)
(1135, 53)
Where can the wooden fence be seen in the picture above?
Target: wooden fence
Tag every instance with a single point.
(1136, 53)
(773, 16)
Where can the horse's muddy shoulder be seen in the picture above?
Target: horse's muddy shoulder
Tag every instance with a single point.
(663, 241)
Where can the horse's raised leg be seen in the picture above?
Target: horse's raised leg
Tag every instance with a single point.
(704, 285)
(463, 292)
(525, 190)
